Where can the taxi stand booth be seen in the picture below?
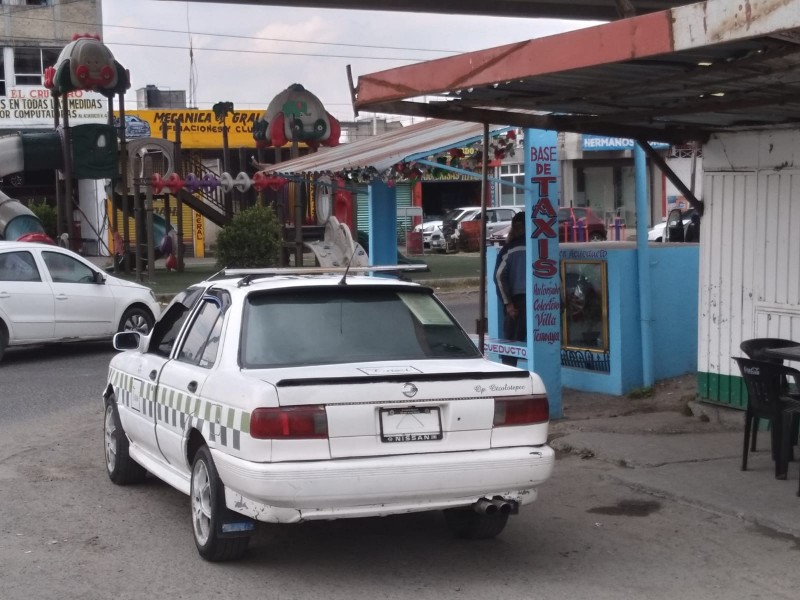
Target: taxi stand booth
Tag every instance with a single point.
(590, 325)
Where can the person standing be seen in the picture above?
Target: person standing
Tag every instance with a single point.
(509, 277)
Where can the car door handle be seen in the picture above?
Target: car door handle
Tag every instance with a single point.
(153, 375)
(5, 295)
(192, 387)
(62, 297)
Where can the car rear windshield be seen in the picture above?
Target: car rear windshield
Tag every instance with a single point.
(314, 326)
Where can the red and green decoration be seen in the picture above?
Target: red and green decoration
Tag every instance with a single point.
(86, 64)
(296, 114)
(467, 158)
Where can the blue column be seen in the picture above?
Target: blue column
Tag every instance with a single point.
(382, 224)
(643, 256)
(543, 285)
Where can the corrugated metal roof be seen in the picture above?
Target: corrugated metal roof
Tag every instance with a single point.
(383, 151)
(675, 75)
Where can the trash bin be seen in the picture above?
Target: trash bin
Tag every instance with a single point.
(413, 242)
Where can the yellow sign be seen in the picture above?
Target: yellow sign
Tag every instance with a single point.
(200, 128)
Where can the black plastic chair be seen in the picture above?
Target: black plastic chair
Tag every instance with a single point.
(766, 400)
(755, 348)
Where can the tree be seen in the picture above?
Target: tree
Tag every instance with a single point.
(251, 240)
(47, 215)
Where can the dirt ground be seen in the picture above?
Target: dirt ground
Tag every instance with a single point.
(664, 409)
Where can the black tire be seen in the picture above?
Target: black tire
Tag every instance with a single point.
(136, 319)
(3, 340)
(466, 523)
(208, 509)
(121, 468)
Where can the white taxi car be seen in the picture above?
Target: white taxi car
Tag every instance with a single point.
(287, 398)
(49, 294)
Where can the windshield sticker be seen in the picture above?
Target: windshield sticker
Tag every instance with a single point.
(388, 370)
(425, 309)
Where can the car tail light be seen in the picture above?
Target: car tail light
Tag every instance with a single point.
(289, 422)
(521, 410)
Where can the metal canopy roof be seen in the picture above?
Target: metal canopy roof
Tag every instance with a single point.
(383, 151)
(674, 75)
(600, 10)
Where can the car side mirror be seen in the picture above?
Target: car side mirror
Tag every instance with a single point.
(99, 278)
(127, 340)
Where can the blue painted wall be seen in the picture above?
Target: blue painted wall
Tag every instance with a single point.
(674, 271)
(382, 224)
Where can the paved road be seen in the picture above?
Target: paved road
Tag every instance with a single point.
(66, 532)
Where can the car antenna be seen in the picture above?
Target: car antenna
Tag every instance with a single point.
(343, 280)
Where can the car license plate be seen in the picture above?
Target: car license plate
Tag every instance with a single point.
(413, 424)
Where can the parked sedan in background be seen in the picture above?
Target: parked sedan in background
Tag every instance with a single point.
(278, 397)
(575, 222)
(657, 232)
(49, 294)
(444, 234)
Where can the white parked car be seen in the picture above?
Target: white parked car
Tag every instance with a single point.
(439, 235)
(288, 398)
(49, 294)
(657, 233)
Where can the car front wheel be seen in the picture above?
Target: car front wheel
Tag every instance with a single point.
(466, 523)
(136, 319)
(208, 510)
(121, 468)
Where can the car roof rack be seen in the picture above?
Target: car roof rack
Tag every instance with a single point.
(249, 275)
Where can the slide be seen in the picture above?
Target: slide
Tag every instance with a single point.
(17, 222)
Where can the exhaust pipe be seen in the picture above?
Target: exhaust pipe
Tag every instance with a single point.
(485, 507)
(504, 507)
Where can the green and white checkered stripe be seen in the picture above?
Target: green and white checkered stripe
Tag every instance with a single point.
(220, 425)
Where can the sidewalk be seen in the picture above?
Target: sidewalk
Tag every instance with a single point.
(658, 446)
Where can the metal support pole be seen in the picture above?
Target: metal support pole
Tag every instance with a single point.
(138, 211)
(67, 169)
(123, 192)
(226, 165)
(298, 211)
(482, 279)
(151, 251)
(261, 158)
(643, 254)
(178, 201)
(59, 193)
(671, 175)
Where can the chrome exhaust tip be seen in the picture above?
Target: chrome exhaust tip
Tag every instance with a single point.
(485, 507)
(504, 507)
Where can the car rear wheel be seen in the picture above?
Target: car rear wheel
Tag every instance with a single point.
(466, 523)
(208, 511)
(136, 319)
(121, 468)
(3, 340)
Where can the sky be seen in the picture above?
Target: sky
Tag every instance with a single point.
(255, 52)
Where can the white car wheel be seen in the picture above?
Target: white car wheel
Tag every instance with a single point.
(208, 510)
(121, 468)
(136, 319)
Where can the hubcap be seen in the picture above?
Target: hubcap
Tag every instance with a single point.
(110, 431)
(136, 323)
(201, 502)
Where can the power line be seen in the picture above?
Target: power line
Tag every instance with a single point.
(239, 37)
(239, 51)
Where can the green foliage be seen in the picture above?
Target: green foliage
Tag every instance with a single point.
(252, 240)
(47, 215)
(642, 392)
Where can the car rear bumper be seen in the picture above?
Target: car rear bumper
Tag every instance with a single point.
(378, 486)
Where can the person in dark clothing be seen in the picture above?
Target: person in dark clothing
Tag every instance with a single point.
(509, 276)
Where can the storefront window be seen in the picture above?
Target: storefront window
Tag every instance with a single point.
(510, 195)
(584, 317)
(30, 63)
